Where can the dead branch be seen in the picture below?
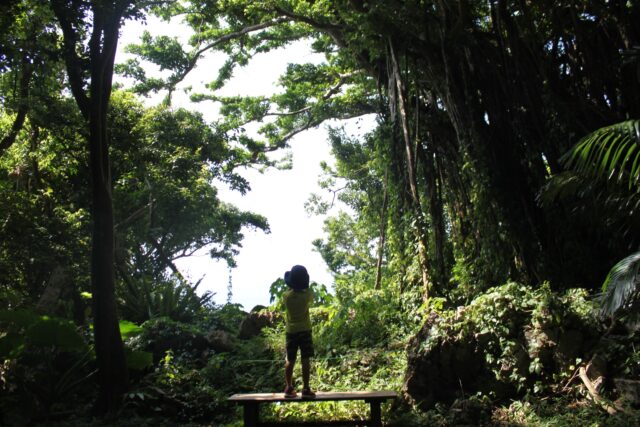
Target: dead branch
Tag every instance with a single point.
(593, 391)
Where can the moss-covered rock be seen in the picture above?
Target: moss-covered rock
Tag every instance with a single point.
(511, 340)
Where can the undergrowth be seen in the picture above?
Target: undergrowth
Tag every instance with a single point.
(362, 341)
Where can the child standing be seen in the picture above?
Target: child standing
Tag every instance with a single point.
(297, 301)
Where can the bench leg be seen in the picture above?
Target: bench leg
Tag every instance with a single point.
(251, 414)
(376, 415)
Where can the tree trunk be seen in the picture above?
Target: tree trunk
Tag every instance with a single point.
(112, 368)
(383, 232)
(113, 375)
(434, 194)
(420, 226)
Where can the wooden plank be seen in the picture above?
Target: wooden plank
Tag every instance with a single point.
(363, 423)
(320, 396)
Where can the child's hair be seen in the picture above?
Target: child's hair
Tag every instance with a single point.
(298, 278)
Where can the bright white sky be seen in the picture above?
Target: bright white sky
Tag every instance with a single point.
(279, 195)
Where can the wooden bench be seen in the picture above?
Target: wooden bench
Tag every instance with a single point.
(251, 402)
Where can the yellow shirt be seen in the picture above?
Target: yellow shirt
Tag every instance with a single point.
(297, 305)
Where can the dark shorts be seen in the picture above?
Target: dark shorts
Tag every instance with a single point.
(301, 340)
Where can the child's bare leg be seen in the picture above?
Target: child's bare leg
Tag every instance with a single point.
(288, 372)
(306, 371)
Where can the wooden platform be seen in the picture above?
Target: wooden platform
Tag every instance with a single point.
(251, 403)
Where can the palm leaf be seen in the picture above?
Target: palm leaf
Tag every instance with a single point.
(621, 284)
(611, 152)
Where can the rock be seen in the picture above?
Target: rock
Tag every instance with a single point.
(470, 412)
(255, 322)
(220, 341)
(49, 300)
(163, 334)
(570, 346)
(442, 373)
(629, 390)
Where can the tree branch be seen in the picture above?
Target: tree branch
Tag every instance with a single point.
(330, 92)
(74, 64)
(23, 106)
(194, 60)
(135, 215)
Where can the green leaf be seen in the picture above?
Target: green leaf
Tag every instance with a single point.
(55, 332)
(138, 360)
(20, 318)
(129, 329)
(621, 284)
(11, 345)
(607, 152)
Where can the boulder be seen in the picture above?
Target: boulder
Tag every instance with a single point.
(220, 341)
(255, 321)
(629, 390)
(162, 334)
(441, 374)
(505, 342)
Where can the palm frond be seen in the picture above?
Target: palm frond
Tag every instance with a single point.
(559, 187)
(611, 153)
(622, 282)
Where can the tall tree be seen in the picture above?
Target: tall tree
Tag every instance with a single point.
(90, 73)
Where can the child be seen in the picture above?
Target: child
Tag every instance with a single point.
(296, 301)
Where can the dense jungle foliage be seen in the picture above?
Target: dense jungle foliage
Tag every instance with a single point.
(487, 266)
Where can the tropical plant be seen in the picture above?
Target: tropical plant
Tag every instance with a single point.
(143, 299)
(612, 153)
(622, 285)
(321, 295)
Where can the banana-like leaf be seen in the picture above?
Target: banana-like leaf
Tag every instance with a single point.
(612, 152)
(621, 284)
(129, 329)
(56, 332)
(138, 360)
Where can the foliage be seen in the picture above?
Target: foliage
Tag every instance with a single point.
(621, 286)
(161, 334)
(24, 328)
(528, 339)
(360, 319)
(612, 154)
(145, 300)
(463, 129)
(45, 364)
(321, 295)
(560, 412)
(190, 382)
(475, 103)
(346, 370)
(178, 390)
